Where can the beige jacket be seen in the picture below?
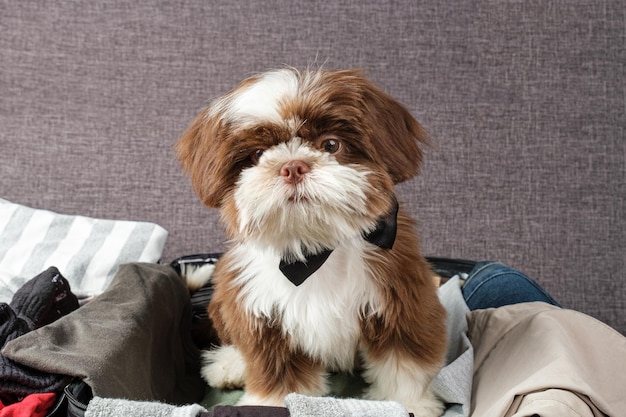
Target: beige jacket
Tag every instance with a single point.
(536, 359)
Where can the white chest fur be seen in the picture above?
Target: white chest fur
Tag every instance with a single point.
(322, 315)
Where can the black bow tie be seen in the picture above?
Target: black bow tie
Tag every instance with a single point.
(383, 236)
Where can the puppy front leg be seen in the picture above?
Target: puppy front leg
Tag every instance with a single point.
(393, 376)
(275, 371)
(401, 359)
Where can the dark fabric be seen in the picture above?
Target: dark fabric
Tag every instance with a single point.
(297, 272)
(10, 325)
(17, 380)
(73, 401)
(44, 299)
(133, 341)
(40, 301)
(245, 411)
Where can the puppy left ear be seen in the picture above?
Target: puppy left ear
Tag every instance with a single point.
(398, 134)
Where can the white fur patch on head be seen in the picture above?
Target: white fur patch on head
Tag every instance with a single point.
(328, 206)
(261, 99)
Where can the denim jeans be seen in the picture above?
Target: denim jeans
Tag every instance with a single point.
(492, 284)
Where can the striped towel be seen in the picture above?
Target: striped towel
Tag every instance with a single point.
(87, 251)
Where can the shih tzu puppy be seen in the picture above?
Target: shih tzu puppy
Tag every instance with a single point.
(323, 267)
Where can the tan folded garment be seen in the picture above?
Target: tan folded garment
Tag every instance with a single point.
(534, 356)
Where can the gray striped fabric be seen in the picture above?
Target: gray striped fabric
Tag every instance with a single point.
(86, 251)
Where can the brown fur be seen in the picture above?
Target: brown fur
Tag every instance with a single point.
(274, 370)
(381, 136)
(413, 322)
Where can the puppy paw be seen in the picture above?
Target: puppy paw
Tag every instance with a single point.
(224, 367)
(427, 406)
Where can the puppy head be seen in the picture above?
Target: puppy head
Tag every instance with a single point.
(299, 161)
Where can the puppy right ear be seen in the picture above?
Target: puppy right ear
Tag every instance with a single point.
(197, 153)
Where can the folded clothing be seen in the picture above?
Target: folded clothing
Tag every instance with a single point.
(522, 351)
(111, 407)
(296, 406)
(39, 302)
(305, 406)
(133, 341)
(44, 299)
(34, 405)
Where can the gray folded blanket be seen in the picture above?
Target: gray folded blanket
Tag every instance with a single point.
(304, 406)
(297, 406)
(108, 407)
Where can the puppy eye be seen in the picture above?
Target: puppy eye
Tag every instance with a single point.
(256, 155)
(332, 146)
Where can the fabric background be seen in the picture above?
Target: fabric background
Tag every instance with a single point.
(524, 100)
